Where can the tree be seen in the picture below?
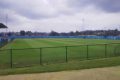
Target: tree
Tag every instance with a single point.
(71, 33)
(63, 34)
(53, 33)
(115, 32)
(77, 33)
(29, 33)
(22, 33)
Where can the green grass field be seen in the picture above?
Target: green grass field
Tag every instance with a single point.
(46, 51)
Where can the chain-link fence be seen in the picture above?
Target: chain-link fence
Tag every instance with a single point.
(12, 58)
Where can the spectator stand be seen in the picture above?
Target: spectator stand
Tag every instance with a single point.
(3, 35)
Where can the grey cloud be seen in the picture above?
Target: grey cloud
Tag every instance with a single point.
(24, 9)
(59, 14)
(4, 4)
(106, 5)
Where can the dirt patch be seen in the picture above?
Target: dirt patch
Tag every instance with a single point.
(112, 73)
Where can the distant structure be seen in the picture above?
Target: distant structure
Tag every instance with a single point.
(2, 26)
(3, 36)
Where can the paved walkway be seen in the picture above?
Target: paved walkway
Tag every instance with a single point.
(112, 73)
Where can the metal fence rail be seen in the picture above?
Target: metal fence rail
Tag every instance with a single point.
(12, 58)
(83, 37)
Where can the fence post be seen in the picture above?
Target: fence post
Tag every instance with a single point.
(115, 51)
(11, 58)
(66, 54)
(40, 56)
(87, 52)
(105, 50)
(0, 44)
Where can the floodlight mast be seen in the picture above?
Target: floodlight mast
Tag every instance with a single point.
(83, 20)
(6, 23)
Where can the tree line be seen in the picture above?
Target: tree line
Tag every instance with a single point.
(115, 32)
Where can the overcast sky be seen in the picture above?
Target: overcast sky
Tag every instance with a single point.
(60, 15)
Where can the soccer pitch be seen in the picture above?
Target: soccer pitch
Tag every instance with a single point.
(53, 42)
(27, 52)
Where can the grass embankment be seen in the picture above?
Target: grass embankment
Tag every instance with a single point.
(77, 65)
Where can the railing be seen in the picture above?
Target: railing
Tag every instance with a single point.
(83, 37)
(12, 58)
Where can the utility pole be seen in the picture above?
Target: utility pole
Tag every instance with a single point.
(6, 21)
